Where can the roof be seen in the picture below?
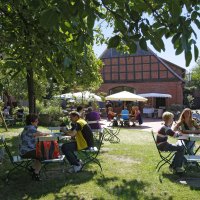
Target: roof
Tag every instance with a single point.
(112, 52)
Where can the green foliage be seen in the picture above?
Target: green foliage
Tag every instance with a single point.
(195, 76)
(190, 99)
(50, 107)
(64, 120)
(35, 37)
(176, 107)
(53, 39)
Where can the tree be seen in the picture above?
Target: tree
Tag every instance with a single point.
(38, 54)
(132, 22)
(51, 38)
(192, 85)
(195, 75)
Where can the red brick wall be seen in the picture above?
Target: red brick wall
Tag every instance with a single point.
(173, 88)
(140, 68)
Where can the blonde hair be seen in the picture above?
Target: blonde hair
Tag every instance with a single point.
(182, 116)
(167, 115)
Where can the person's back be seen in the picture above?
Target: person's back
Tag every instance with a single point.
(86, 132)
(125, 114)
(20, 113)
(93, 116)
(6, 111)
(81, 111)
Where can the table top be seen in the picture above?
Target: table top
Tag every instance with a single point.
(54, 136)
(191, 137)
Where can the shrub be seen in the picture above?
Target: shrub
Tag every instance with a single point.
(51, 108)
(175, 108)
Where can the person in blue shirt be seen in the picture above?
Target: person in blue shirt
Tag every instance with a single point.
(28, 144)
(124, 116)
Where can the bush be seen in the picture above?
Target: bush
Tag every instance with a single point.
(51, 109)
(176, 108)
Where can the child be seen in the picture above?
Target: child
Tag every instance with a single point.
(163, 145)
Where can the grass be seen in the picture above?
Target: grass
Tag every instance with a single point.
(128, 173)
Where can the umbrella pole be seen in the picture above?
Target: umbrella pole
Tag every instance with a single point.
(124, 104)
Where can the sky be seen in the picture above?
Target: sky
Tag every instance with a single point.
(169, 53)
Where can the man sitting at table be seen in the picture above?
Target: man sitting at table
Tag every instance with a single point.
(83, 140)
(163, 145)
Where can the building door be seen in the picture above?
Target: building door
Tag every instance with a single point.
(160, 102)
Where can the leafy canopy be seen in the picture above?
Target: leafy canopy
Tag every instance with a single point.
(195, 75)
(52, 39)
(33, 38)
(132, 22)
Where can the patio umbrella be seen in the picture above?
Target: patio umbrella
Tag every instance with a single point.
(125, 96)
(80, 96)
(160, 95)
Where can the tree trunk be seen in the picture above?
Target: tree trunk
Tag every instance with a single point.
(31, 91)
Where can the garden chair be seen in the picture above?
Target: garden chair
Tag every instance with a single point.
(96, 132)
(111, 134)
(16, 160)
(60, 160)
(165, 156)
(91, 155)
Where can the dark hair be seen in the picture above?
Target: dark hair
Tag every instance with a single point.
(74, 113)
(79, 108)
(31, 118)
(90, 109)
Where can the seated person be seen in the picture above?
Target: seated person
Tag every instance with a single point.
(81, 111)
(187, 125)
(6, 111)
(138, 115)
(133, 115)
(28, 144)
(124, 116)
(93, 116)
(83, 140)
(163, 144)
(20, 113)
(111, 114)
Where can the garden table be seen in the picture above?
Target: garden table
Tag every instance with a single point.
(191, 137)
(54, 136)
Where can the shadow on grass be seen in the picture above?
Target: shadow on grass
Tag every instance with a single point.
(133, 189)
(190, 179)
(136, 127)
(22, 186)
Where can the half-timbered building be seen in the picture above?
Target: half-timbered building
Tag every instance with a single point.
(141, 73)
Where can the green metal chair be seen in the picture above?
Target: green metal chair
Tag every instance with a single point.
(91, 155)
(17, 162)
(166, 156)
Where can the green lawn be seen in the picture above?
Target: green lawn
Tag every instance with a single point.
(128, 173)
